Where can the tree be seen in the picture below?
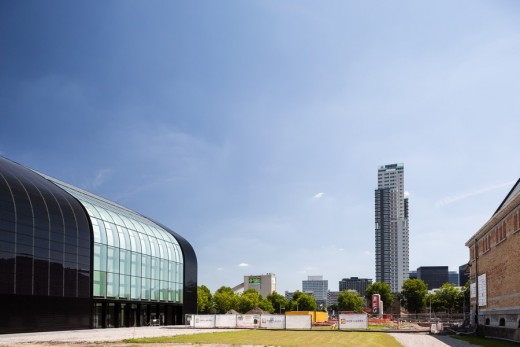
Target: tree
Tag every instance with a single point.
(413, 295)
(450, 297)
(225, 299)
(278, 301)
(204, 299)
(350, 301)
(302, 302)
(251, 299)
(382, 289)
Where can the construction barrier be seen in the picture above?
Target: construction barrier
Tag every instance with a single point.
(353, 321)
(250, 321)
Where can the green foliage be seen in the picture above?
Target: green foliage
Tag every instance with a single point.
(449, 298)
(382, 289)
(350, 301)
(225, 299)
(278, 301)
(413, 295)
(302, 302)
(204, 300)
(251, 299)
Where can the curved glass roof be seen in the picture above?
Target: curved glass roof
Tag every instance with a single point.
(134, 258)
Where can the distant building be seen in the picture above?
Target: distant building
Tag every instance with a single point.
(317, 287)
(453, 278)
(495, 279)
(289, 295)
(332, 297)
(434, 276)
(264, 284)
(463, 274)
(354, 283)
(412, 274)
(391, 229)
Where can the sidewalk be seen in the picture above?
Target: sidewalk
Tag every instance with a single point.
(425, 340)
(97, 335)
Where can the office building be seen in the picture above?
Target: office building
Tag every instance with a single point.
(391, 227)
(317, 287)
(453, 278)
(72, 260)
(332, 297)
(463, 274)
(354, 283)
(433, 276)
(264, 284)
(494, 275)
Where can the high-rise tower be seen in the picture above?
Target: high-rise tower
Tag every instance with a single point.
(391, 229)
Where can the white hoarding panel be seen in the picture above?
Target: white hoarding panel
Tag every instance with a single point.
(250, 321)
(473, 290)
(272, 321)
(353, 321)
(303, 321)
(482, 290)
(204, 321)
(190, 320)
(226, 321)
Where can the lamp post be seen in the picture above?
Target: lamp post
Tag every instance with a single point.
(430, 296)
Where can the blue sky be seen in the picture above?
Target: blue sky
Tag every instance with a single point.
(255, 128)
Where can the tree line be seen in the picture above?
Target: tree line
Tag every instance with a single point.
(414, 297)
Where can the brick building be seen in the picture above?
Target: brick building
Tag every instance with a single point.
(494, 275)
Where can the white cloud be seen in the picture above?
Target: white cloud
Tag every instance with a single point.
(319, 196)
(454, 198)
(243, 264)
(101, 177)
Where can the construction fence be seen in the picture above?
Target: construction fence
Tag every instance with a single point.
(271, 321)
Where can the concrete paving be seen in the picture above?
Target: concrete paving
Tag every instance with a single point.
(97, 335)
(426, 340)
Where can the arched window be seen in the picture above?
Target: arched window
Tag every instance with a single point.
(502, 322)
(487, 321)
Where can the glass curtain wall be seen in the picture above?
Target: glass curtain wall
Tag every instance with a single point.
(134, 259)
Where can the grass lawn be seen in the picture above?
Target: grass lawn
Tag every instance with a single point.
(481, 341)
(282, 338)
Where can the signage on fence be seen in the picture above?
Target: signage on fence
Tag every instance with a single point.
(251, 321)
(272, 321)
(204, 321)
(353, 321)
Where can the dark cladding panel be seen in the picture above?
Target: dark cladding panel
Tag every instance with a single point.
(38, 223)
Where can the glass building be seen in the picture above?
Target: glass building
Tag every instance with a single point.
(73, 260)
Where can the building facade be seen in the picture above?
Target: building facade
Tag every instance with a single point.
(317, 287)
(332, 297)
(453, 278)
(264, 284)
(463, 274)
(493, 271)
(391, 227)
(433, 276)
(354, 283)
(73, 260)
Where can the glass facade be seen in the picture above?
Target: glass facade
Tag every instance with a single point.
(134, 258)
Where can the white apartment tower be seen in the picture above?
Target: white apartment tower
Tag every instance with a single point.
(391, 229)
